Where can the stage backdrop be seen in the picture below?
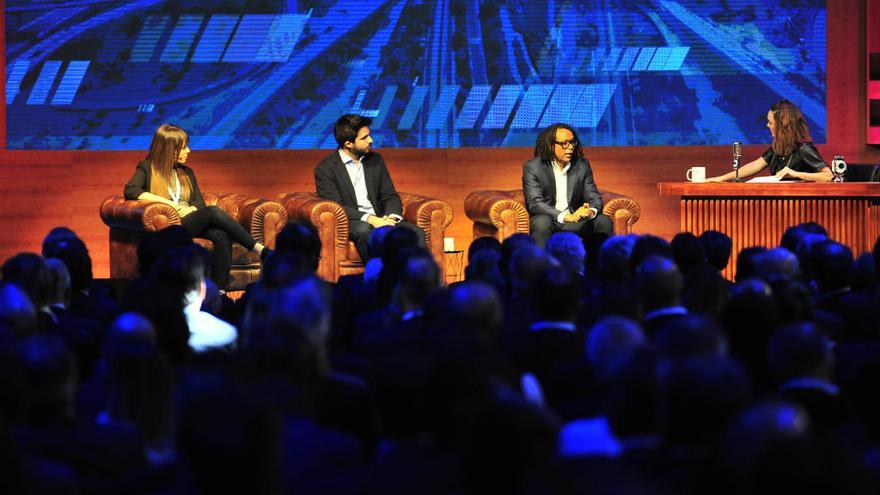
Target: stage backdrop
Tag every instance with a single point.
(99, 75)
(40, 189)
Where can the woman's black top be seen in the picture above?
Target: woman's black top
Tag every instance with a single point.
(140, 183)
(805, 158)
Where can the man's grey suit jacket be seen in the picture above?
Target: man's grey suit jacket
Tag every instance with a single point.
(539, 187)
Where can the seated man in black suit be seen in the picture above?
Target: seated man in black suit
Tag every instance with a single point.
(559, 189)
(356, 177)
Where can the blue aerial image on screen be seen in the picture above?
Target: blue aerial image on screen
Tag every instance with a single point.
(256, 74)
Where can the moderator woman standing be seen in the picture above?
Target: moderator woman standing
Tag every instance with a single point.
(792, 153)
(163, 177)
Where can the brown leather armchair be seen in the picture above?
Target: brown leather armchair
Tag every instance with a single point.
(500, 214)
(130, 219)
(338, 254)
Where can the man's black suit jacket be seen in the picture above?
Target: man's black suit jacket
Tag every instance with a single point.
(333, 182)
(539, 187)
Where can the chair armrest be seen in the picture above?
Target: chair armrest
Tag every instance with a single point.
(623, 211)
(137, 214)
(430, 214)
(320, 213)
(502, 210)
(262, 218)
(329, 220)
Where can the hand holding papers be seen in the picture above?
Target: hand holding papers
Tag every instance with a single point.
(780, 177)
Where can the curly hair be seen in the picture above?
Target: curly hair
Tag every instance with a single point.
(547, 139)
(568, 249)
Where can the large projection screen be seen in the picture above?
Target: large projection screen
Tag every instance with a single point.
(101, 75)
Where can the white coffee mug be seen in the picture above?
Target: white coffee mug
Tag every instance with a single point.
(449, 244)
(696, 174)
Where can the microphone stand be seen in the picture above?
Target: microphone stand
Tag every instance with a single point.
(736, 156)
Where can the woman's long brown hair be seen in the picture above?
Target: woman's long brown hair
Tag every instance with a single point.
(791, 128)
(164, 151)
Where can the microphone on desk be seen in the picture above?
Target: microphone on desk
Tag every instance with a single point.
(737, 153)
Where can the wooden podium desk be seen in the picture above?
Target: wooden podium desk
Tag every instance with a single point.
(757, 214)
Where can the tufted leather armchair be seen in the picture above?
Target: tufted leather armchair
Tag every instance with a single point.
(338, 254)
(129, 220)
(500, 214)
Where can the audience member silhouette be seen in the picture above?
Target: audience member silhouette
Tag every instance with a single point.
(508, 248)
(85, 300)
(101, 455)
(688, 252)
(485, 266)
(613, 294)
(760, 430)
(230, 441)
(659, 284)
(802, 362)
(401, 322)
(481, 243)
(831, 263)
(749, 318)
(59, 293)
(646, 246)
(55, 240)
(525, 265)
(303, 239)
(746, 262)
(30, 273)
(794, 235)
(568, 249)
(472, 310)
(18, 317)
(718, 247)
(610, 344)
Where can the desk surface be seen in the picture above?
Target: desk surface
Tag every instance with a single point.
(776, 189)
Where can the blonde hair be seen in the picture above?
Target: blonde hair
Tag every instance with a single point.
(791, 128)
(165, 148)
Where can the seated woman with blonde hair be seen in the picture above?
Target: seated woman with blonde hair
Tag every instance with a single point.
(164, 177)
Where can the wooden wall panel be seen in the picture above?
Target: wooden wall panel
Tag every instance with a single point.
(845, 90)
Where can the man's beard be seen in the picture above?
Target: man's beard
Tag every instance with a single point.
(360, 153)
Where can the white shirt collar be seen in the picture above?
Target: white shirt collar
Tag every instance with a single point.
(556, 168)
(347, 160)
